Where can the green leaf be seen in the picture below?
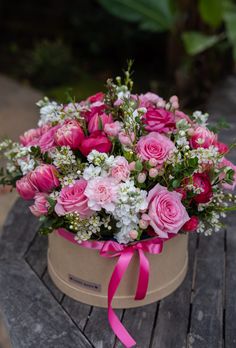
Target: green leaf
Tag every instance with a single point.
(138, 166)
(230, 23)
(176, 183)
(211, 11)
(153, 15)
(196, 43)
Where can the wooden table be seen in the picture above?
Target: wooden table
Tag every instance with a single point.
(201, 313)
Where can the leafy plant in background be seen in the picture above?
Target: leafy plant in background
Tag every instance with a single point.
(51, 63)
(165, 15)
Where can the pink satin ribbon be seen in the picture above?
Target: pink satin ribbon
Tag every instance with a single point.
(125, 253)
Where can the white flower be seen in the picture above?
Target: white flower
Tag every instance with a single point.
(91, 172)
(49, 112)
(26, 165)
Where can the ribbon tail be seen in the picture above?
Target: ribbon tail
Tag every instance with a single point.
(143, 276)
(116, 325)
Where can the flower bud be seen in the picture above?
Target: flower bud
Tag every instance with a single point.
(141, 178)
(133, 234)
(153, 172)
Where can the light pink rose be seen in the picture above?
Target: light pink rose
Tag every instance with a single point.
(101, 193)
(99, 120)
(25, 188)
(165, 210)
(96, 141)
(69, 134)
(155, 145)
(45, 177)
(31, 137)
(126, 139)
(112, 129)
(226, 163)
(158, 120)
(202, 137)
(73, 200)
(47, 142)
(120, 169)
(179, 115)
(150, 99)
(40, 206)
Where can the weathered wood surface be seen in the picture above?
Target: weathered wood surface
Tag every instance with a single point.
(201, 313)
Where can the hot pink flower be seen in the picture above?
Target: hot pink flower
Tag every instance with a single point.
(202, 137)
(73, 200)
(70, 133)
(120, 169)
(159, 120)
(101, 193)
(165, 210)
(191, 225)
(149, 99)
(45, 177)
(25, 188)
(99, 120)
(222, 147)
(179, 115)
(202, 181)
(226, 163)
(96, 97)
(96, 141)
(95, 108)
(112, 129)
(155, 145)
(40, 206)
(126, 139)
(31, 137)
(47, 142)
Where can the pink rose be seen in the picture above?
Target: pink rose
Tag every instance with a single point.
(165, 210)
(149, 99)
(96, 141)
(126, 139)
(73, 200)
(222, 147)
(101, 193)
(99, 120)
(202, 181)
(25, 188)
(45, 177)
(191, 225)
(226, 163)
(47, 142)
(95, 108)
(179, 115)
(96, 97)
(112, 129)
(69, 134)
(159, 120)
(202, 137)
(31, 137)
(40, 206)
(155, 145)
(120, 169)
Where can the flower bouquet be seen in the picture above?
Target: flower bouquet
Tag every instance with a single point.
(119, 180)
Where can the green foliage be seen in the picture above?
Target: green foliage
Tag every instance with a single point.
(211, 11)
(50, 223)
(153, 15)
(50, 63)
(195, 42)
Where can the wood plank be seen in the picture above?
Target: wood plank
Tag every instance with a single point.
(98, 330)
(173, 315)
(230, 286)
(33, 317)
(36, 256)
(78, 311)
(139, 322)
(206, 329)
(18, 231)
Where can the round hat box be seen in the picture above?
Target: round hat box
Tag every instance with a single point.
(84, 275)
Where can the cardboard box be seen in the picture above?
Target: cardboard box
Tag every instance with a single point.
(84, 275)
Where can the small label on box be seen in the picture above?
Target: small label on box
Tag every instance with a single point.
(85, 284)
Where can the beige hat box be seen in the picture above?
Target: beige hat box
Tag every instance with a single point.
(84, 275)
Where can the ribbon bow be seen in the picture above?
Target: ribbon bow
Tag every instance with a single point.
(125, 254)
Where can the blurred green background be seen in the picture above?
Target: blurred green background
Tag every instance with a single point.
(178, 46)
